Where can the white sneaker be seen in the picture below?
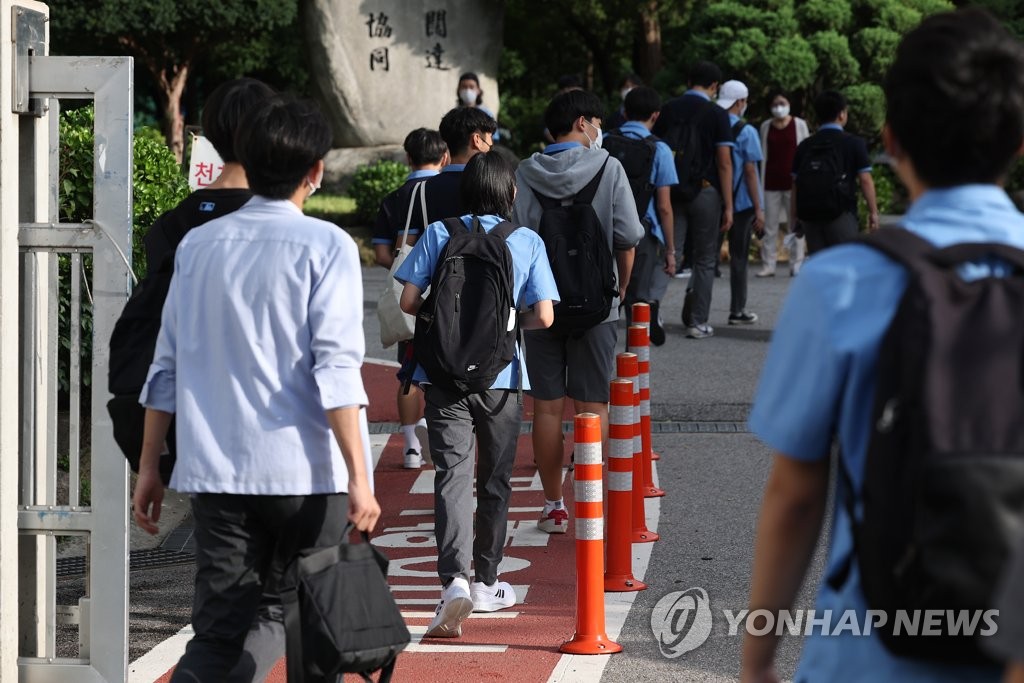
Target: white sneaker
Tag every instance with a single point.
(700, 331)
(421, 434)
(765, 272)
(454, 607)
(555, 522)
(794, 269)
(492, 598)
(413, 459)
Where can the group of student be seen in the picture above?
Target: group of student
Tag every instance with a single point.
(261, 342)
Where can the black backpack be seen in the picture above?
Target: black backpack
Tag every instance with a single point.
(692, 164)
(637, 159)
(467, 328)
(131, 351)
(943, 493)
(580, 258)
(823, 187)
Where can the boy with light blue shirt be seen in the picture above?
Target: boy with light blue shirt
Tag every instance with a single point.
(954, 125)
(655, 261)
(494, 416)
(747, 198)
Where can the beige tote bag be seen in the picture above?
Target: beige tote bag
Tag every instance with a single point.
(395, 324)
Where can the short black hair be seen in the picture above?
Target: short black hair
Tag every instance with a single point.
(778, 92)
(279, 142)
(630, 78)
(488, 185)
(224, 109)
(424, 147)
(705, 74)
(568, 81)
(828, 105)
(459, 124)
(641, 102)
(568, 106)
(955, 98)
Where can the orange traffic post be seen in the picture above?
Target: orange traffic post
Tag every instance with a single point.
(618, 575)
(626, 368)
(590, 637)
(640, 345)
(641, 315)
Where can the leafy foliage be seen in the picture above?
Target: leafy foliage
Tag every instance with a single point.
(158, 185)
(372, 182)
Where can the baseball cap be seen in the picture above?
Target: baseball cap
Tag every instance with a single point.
(729, 92)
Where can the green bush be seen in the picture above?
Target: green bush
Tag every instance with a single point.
(372, 182)
(158, 184)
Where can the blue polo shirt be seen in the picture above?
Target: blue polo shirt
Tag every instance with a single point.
(747, 150)
(663, 172)
(819, 381)
(533, 280)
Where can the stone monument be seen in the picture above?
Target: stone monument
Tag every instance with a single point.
(385, 67)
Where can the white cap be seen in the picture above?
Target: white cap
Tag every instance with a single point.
(729, 92)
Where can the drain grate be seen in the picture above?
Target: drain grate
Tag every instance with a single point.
(659, 427)
(139, 559)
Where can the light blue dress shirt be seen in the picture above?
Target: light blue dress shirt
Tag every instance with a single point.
(819, 380)
(663, 172)
(262, 331)
(747, 150)
(533, 280)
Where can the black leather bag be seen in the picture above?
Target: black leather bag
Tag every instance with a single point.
(339, 614)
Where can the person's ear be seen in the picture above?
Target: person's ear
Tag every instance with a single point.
(654, 117)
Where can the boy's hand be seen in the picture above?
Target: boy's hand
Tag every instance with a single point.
(363, 509)
(147, 499)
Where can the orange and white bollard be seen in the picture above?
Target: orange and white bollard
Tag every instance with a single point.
(618, 575)
(626, 368)
(590, 637)
(641, 315)
(641, 346)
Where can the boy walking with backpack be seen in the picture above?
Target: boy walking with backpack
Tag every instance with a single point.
(825, 168)
(578, 198)
(651, 172)
(488, 279)
(910, 358)
(699, 134)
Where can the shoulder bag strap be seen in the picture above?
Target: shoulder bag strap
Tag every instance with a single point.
(418, 187)
(293, 634)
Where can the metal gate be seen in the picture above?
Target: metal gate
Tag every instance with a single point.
(32, 517)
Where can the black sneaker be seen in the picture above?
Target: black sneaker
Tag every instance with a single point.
(742, 318)
(657, 329)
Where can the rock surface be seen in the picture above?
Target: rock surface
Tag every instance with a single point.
(385, 67)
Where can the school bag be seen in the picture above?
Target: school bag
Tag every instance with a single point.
(467, 328)
(339, 614)
(691, 162)
(637, 158)
(823, 186)
(581, 260)
(132, 344)
(943, 490)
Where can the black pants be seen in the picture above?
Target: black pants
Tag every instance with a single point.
(739, 256)
(823, 234)
(243, 544)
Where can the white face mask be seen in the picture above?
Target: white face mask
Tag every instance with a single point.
(313, 187)
(624, 92)
(468, 96)
(743, 111)
(595, 143)
(780, 111)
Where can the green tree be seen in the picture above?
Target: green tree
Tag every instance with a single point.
(804, 47)
(172, 39)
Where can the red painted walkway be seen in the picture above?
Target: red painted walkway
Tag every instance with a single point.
(520, 643)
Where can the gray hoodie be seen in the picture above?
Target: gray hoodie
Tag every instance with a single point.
(561, 176)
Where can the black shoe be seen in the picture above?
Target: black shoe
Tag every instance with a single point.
(657, 330)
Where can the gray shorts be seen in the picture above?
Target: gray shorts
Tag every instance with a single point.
(580, 368)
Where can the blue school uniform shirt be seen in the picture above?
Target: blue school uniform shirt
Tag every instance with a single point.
(663, 172)
(819, 379)
(747, 149)
(532, 280)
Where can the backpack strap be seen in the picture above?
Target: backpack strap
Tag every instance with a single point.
(503, 230)
(737, 128)
(586, 195)
(455, 226)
